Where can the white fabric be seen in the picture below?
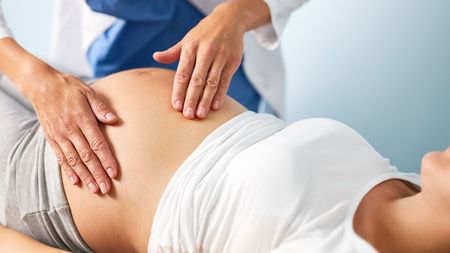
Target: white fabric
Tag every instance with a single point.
(75, 24)
(255, 185)
(75, 27)
(280, 11)
(4, 29)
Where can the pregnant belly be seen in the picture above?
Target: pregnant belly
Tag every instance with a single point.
(149, 142)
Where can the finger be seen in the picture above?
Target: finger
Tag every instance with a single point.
(224, 84)
(196, 84)
(100, 147)
(182, 77)
(168, 56)
(102, 111)
(89, 158)
(74, 161)
(70, 173)
(211, 86)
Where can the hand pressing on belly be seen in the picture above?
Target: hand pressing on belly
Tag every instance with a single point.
(68, 111)
(210, 54)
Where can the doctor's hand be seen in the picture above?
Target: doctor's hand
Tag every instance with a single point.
(68, 111)
(210, 54)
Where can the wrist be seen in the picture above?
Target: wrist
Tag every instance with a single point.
(249, 14)
(21, 67)
(34, 78)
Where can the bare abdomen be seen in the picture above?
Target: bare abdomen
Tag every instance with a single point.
(150, 142)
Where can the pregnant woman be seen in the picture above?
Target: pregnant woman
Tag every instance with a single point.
(235, 182)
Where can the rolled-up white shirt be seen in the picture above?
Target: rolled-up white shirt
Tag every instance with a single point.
(4, 29)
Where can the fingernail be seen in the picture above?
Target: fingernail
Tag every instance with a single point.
(201, 113)
(189, 112)
(216, 105)
(110, 172)
(103, 188)
(109, 116)
(92, 187)
(73, 180)
(178, 105)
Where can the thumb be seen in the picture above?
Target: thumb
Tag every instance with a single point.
(101, 111)
(168, 56)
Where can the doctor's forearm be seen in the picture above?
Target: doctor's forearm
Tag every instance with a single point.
(250, 13)
(19, 65)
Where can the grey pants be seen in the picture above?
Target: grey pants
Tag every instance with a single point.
(32, 199)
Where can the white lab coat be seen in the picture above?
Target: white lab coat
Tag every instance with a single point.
(4, 30)
(75, 27)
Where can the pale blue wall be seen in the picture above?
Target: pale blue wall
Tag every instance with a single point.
(30, 21)
(381, 66)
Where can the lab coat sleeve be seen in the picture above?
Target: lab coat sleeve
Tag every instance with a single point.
(280, 10)
(4, 30)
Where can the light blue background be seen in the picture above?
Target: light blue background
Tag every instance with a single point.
(383, 67)
(30, 22)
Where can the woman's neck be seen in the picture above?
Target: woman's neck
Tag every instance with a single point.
(394, 217)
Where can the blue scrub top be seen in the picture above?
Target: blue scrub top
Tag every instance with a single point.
(147, 26)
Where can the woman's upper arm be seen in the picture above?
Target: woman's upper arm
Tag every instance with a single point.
(12, 242)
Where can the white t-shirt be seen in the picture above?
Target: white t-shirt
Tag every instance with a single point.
(341, 168)
(248, 188)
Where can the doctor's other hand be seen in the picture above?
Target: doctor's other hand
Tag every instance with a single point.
(210, 54)
(68, 111)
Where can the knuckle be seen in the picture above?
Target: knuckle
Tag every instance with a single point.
(85, 177)
(210, 50)
(67, 170)
(190, 45)
(234, 60)
(190, 102)
(100, 107)
(183, 77)
(87, 120)
(100, 177)
(86, 155)
(223, 50)
(88, 91)
(224, 84)
(205, 103)
(197, 82)
(179, 94)
(212, 83)
(218, 97)
(97, 144)
(67, 128)
(60, 159)
(72, 160)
